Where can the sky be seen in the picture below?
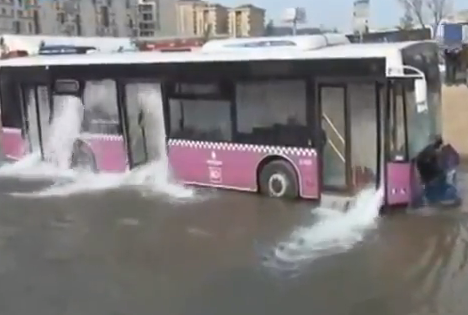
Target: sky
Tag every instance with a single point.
(334, 13)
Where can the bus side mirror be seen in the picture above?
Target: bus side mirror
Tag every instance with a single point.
(420, 92)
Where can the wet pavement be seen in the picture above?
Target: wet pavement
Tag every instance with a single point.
(120, 253)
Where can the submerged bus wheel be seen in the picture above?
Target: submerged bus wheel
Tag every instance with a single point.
(83, 158)
(279, 179)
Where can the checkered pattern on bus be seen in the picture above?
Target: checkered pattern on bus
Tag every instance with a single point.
(102, 136)
(243, 147)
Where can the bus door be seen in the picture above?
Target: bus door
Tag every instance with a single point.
(365, 129)
(399, 173)
(333, 101)
(145, 125)
(37, 115)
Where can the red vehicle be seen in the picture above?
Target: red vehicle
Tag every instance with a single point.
(14, 54)
(171, 45)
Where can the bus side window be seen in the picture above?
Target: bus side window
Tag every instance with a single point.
(100, 108)
(10, 105)
(398, 129)
(200, 112)
(272, 112)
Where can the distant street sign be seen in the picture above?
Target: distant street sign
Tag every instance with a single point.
(294, 15)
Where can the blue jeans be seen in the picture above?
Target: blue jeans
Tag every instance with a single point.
(441, 191)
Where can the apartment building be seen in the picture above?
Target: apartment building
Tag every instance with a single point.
(187, 17)
(200, 18)
(157, 18)
(246, 20)
(19, 17)
(115, 18)
(461, 16)
(212, 19)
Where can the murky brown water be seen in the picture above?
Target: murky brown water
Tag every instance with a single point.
(118, 253)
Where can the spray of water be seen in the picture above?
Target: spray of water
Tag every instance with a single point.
(64, 130)
(149, 179)
(58, 143)
(154, 177)
(335, 231)
(33, 167)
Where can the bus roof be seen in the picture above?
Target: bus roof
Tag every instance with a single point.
(389, 51)
(301, 42)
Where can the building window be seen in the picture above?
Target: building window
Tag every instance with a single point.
(78, 25)
(17, 27)
(146, 34)
(105, 20)
(61, 17)
(37, 26)
(147, 17)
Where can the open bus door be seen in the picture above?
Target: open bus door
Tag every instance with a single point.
(350, 122)
(133, 118)
(143, 122)
(37, 112)
(401, 178)
(335, 129)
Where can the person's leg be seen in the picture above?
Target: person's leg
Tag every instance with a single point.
(430, 192)
(448, 70)
(450, 73)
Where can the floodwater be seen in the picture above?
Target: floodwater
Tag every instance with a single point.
(118, 253)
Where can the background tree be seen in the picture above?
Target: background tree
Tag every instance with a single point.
(269, 28)
(424, 12)
(406, 21)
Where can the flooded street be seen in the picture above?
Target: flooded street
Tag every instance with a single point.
(117, 252)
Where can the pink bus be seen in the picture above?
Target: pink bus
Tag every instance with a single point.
(295, 117)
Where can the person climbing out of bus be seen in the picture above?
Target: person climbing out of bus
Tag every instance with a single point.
(433, 174)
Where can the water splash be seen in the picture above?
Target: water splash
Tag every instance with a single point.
(149, 179)
(64, 130)
(153, 178)
(335, 231)
(58, 144)
(32, 167)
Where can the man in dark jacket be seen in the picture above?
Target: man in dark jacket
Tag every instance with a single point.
(433, 175)
(427, 162)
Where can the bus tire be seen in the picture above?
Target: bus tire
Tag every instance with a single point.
(83, 158)
(279, 179)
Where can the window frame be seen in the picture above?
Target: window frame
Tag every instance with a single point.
(309, 110)
(104, 122)
(225, 92)
(397, 93)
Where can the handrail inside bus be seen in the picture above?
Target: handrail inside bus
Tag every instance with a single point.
(328, 120)
(342, 158)
(337, 133)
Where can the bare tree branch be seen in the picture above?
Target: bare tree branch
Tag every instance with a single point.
(427, 11)
(416, 9)
(439, 9)
(407, 20)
